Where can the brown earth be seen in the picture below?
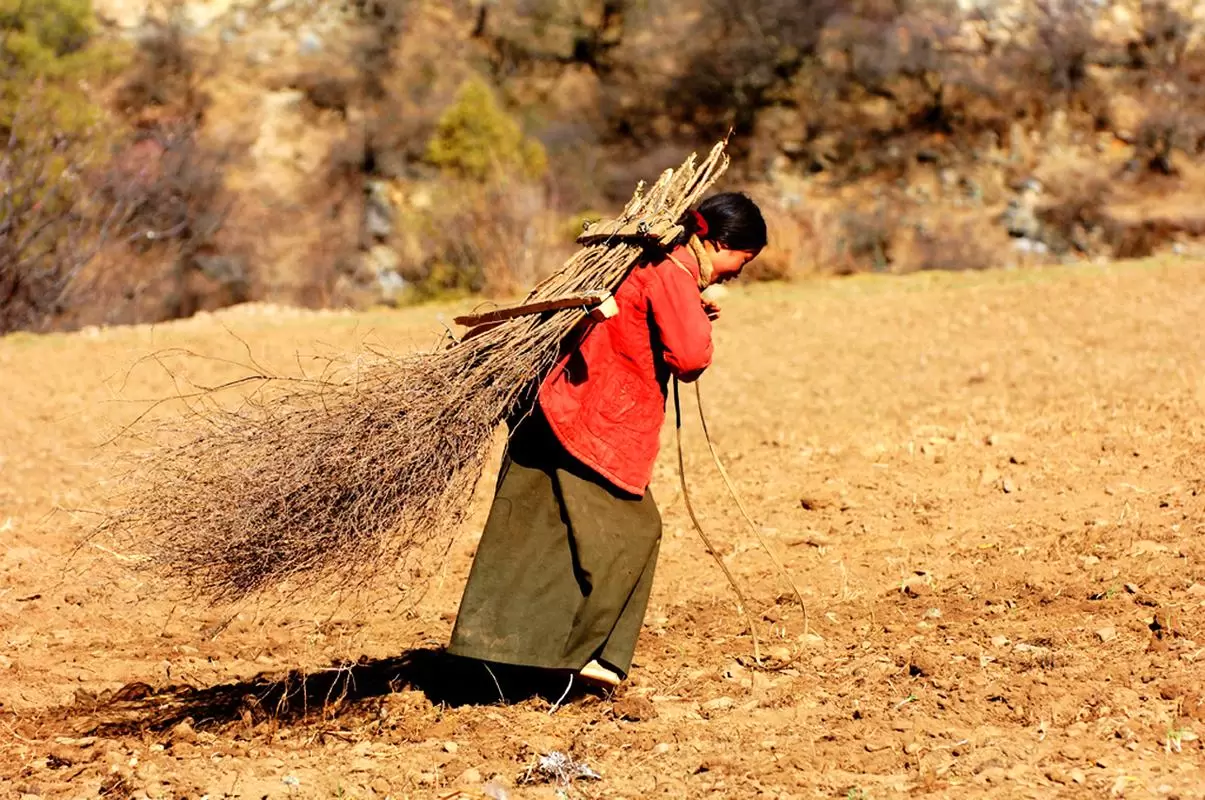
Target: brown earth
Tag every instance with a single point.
(990, 488)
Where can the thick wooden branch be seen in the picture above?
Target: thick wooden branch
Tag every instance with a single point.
(658, 232)
(578, 300)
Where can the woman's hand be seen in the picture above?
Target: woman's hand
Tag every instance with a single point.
(712, 308)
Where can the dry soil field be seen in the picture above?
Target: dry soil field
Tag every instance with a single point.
(989, 487)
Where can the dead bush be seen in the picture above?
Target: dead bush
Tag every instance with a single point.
(1176, 80)
(173, 186)
(581, 173)
(543, 34)
(1035, 78)
(794, 241)
(734, 56)
(1075, 218)
(1063, 45)
(50, 230)
(626, 169)
(952, 244)
(405, 113)
(865, 238)
(495, 239)
(1138, 241)
(347, 160)
(166, 73)
(395, 140)
(830, 238)
(171, 189)
(896, 235)
(382, 24)
(1164, 38)
(328, 91)
(1157, 138)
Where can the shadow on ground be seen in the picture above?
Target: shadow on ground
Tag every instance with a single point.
(298, 696)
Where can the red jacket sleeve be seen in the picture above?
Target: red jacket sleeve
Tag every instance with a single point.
(685, 330)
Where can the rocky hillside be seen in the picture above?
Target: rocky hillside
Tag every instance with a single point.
(391, 150)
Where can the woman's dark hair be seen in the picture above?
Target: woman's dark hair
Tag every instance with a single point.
(731, 220)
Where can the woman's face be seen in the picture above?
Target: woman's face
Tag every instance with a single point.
(727, 264)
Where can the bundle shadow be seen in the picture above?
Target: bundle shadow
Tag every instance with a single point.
(299, 697)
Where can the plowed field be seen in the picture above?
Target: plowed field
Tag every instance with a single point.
(990, 489)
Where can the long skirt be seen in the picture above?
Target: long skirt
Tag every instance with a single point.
(565, 565)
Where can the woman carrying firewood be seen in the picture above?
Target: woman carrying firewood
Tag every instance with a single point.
(563, 572)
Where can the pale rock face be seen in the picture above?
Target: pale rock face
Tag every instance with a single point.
(210, 14)
(125, 14)
(130, 14)
(1128, 114)
(281, 129)
(199, 16)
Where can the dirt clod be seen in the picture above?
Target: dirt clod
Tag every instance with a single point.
(634, 708)
(1172, 690)
(922, 665)
(717, 706)
(184, 733)
(1193, 706)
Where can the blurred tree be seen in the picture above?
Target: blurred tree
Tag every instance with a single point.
(476, 139)
(50, 43)
(48, 231)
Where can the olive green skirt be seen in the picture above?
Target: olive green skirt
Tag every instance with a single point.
(565, 565)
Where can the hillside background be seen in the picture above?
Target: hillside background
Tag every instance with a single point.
(164, 159)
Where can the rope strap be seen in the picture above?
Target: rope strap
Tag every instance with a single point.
(741, 603)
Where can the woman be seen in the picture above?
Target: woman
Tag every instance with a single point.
(563, 572)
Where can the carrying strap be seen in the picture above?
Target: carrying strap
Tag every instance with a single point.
(741, 603)
(706, 269)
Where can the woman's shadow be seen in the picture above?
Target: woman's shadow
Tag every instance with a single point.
(293, 697)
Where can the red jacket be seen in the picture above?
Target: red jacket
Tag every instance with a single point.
(605, 400)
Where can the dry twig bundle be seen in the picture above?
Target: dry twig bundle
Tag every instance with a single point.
(344, 475)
